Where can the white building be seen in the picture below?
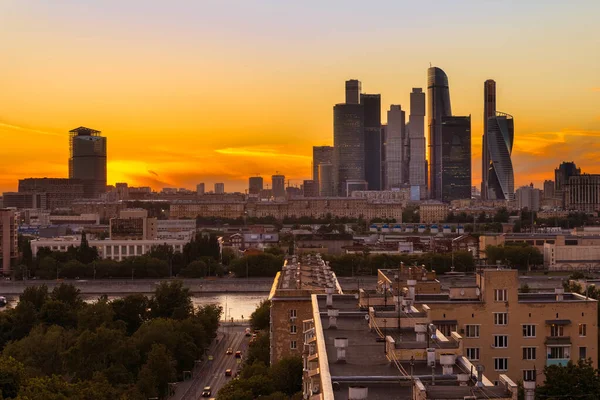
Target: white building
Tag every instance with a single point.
(182, 229)
(110, 249)
(528, 197)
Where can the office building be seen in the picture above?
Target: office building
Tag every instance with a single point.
(255, 185)
(180, 229)
(278, 186)
(438, 107)
(87, 160)
(499, 181)
(582, 193)
(321, 155)
(384, 150)
(548, 189)
(348, 141)
(219, 188)
(562, 174)
(326, 184)
(372, 125)
(417, 163)
(59, 192)
(200, 189)
(353, 91)
(299, 278)
(528, 198)
(310, 188)
(353, 185)
(25, 200)
(489, 111)
(133, 224)
(9, 250)
(395, 139)
(456, 158)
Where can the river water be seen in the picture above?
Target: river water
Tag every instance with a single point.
(235, 305)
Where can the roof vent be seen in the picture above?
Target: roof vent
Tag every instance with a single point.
(559, 294)
(480, 370)
(341, 344)
(333, 314)
(329, 292)
(358, 393)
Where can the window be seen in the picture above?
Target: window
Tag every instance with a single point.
(556, 330)
(582, 330)
(473, 353)
(500, 341)
(472, 331)
(500, 318)
(500, 295)
(293, 329)
(528, 330)
(529, 353)
(500, 364)
(293, 345)
(529, 375)
(558, 352)
(293, 313)
(582, 353)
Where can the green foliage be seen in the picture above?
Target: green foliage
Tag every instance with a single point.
(259, 349)
(261, 317)
(287, 375)
(206, 266)
(157, 372)
(518, 255)
(133, 310)
(264, 264)
(11, 376)
(171, 300)
(575, 380)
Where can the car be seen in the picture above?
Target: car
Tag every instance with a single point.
(248, 332)
(206, 391)
(229, 351)
(228, 372)
(238, 354)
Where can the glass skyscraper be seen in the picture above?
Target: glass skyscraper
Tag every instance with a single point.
(500, 178)
(372, 123)
(455, 158)
(348, 145)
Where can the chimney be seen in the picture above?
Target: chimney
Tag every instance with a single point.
(358, 393)
(333, 314)
(559, 294)
(341, 344)
(411, 288)
(529, 389)
(329, 292)
(421, 332)
(447, 361)
(480, 375)
(463, 379)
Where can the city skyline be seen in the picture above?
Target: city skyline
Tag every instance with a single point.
(168, 125)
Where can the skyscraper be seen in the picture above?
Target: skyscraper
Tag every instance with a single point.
(255, 184)
(278, 186)
(348, 141)
(310, 188)
(87, 160)
(372, 125)
(562, 174)
(548, 189)
(417, 165)
(489, 111)
(438, 106)
(200, 189)
(394, 157)
(326, 185)
(219, 188)
(500, 180)
(456, 158)
(321, 155)
(384, 150)
(353, 91)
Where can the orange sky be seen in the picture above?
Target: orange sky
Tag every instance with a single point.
(218, 91)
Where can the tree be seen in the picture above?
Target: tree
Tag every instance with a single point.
(261, 317)
(171, 300)
(132, 309)
(287, 375)
(36, 295)
(259, 349)
(68, 294)
(11, 377)
(86, 254)
(157, 372)
(575, 380)
(502, 215)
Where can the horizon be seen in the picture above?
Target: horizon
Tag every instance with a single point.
(184, 99)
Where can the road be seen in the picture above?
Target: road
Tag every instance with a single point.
(212, 373)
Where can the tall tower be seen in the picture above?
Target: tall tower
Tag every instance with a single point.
(456, 158)
(438, 106)
(417, 165)
(321, 155)
(255, 184)
(278, 186)
(372, 108)
(87, 160)
(500, 179)
(394, 158)
(348, 139)
(489, 111)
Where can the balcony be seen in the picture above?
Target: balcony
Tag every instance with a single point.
(557, 361)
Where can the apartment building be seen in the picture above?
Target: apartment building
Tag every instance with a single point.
(381, 352)
(290, 297)
(8, 240)
(133, 224)
(207, 209)
(430, 212)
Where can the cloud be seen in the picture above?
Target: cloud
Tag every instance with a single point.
(152, 172)
(24, 129)
(596, 89)
(250, 152)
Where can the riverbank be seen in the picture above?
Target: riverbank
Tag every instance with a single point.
(147, 286)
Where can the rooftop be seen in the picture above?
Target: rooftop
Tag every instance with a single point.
(303, 275)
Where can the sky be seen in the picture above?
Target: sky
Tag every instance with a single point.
(216, 91)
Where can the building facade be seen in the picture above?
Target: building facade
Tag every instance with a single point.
(326, 183)
(528, 197)
(489, 111)
(200, 189)
(9, 250)
(372, 124)
(88, 160)
(432, 212)
(59, 192)
(255, 185)
(310, 188)
(417, 164)
(321, 155)
(456, 158)
(219, 188)
(582, 193)
(500, 180)
(133, 224)
(278, 186)
(394, 147)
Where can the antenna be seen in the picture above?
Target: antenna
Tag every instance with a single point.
(430, 64)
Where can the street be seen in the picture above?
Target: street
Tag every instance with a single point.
(212, 373)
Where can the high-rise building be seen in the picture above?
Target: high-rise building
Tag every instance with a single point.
(562, 174)
(500, 179)
(326, 185)
(438, 106)
(255, 184)
(219, 188)
(489, 111)
(321, 155)
(310, 188)
(200, 189)
(582, 193)
(548, 189)
(384, 150)
(528, 197)
(394, 158)
(456, 158)
(87, 160)
(372, 124)
(417, 165)
(278, 186)
(353, 91)
(8, 240)
(348, 141)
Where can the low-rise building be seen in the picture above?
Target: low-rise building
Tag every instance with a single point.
(432, 212)
(328, 243)
(79, 220)
(25, 200)
(133, 224)
(176, 228)
(561, 257)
